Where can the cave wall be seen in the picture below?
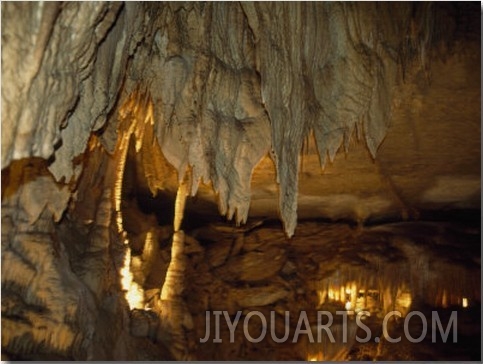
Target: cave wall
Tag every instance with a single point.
(208, 88)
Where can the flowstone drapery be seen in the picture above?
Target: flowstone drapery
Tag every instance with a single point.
(228, 82)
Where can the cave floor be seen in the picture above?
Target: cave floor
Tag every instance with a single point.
(423, 266)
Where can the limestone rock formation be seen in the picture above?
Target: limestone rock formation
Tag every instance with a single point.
(107, 107)
(319, 66)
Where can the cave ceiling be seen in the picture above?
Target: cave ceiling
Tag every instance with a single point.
(334, 110)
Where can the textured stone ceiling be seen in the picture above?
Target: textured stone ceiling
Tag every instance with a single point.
(227, 83)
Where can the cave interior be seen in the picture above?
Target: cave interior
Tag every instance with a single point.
(167, 162)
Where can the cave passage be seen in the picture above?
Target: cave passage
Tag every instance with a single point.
(241, 181)
(427, 265)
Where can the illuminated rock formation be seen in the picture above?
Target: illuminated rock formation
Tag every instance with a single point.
(109, 108)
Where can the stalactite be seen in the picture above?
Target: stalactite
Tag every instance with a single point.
(385, 284)
(134, 115)
(219, 106)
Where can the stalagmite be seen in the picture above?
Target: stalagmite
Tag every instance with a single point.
(175, 319)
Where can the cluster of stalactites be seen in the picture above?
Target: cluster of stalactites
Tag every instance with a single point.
(229, 82)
